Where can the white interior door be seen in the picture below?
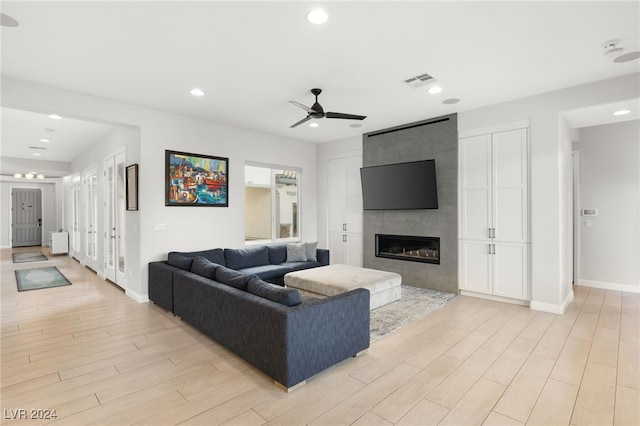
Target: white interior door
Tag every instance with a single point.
(114, 229)
(90, 182)
(76, 233)
(121, 206)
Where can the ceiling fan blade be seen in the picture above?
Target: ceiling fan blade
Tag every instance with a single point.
(307, 118)
(344, 116)
(304, 107)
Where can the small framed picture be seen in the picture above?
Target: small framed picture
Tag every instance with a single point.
(132, 187)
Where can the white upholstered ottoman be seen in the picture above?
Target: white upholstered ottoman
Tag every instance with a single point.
(335, 279)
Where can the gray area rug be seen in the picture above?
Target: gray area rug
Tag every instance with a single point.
(415, 303)
(32, 256)
(35, 279)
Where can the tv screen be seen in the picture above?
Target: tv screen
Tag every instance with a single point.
(403, 186)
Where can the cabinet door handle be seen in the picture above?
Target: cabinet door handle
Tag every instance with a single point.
(344, 226)
(493, 232)
(489, 232)
(344, 238)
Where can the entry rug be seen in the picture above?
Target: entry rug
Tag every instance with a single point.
(35, 279)
(414, 303)
(32, 256)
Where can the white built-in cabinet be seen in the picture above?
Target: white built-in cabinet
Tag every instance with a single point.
(494, 212)
(345, 209)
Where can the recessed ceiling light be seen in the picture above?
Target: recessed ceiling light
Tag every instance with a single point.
(434, 90)
(37, 154)
(313, 125)
(197, 92)
(45, 140)
(317, 16)
(55, 117)
(622, 112)
(627, 57)
(451, 101)
(17, 175)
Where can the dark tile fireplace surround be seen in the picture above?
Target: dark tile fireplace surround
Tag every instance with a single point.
(416, 259)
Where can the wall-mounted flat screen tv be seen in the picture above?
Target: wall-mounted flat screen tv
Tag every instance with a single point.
(402, 186)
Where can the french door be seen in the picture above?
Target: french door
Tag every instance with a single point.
(76, 233)
(90, 183)
(114, 204)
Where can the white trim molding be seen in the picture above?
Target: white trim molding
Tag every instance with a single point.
(550, 307)
(140, 298)
(629, 288)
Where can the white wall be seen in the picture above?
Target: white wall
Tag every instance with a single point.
(51, 206)
(610, 182)
(186, 228)
(550, 288)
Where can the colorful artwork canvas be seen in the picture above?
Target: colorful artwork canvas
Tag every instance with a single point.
(196, 180)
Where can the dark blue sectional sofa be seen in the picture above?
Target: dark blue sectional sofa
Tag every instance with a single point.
(286, 336)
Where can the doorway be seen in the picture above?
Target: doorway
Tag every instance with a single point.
(26, 217)
(115, 207)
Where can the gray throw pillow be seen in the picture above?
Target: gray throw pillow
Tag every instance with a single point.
(204, 267)
(232, 278)
(283, 295)
(296, 252)
(311, 251)
(179, 261)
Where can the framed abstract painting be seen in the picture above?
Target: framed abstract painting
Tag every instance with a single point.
(196, 180)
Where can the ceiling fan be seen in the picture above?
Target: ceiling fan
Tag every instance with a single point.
(316, 111)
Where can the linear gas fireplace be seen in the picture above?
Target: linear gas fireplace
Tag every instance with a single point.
(406, 247)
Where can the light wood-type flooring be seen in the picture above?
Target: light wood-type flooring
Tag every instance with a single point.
(95, 356)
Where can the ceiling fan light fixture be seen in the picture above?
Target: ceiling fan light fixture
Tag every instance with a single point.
(622, 112)
(45, 140)
(317, 17)
(197, 92)
(314, 124)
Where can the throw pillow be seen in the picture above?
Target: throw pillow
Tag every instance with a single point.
(311, 251)
(296, 252)
(232, 278)
(283, 295)
(204, 267)
(179, 261)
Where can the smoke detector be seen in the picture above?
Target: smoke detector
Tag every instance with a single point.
(611, 49)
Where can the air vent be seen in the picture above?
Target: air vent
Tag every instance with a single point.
(38, 147)
(419, 80)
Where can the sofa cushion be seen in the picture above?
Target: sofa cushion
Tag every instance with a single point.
(283, 295)
(232, 278)
(311, 251)
(179, 261)
(246, 257)
(296, 252)
(298, 266)
(214, 255)
(267, 272)
(204, 267)
(277, 254)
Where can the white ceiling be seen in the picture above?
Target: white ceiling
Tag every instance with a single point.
(251, 58)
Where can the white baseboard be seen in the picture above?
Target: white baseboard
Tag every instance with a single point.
(140, 298)
(494, 298)
(552, 308)
(629, 288)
